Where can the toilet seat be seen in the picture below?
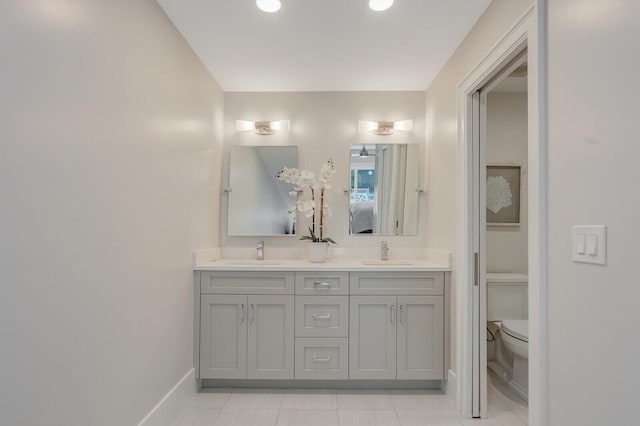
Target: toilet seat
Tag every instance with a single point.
(518, 329)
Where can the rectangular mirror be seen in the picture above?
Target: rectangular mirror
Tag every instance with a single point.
(259, 203)
(384, 189)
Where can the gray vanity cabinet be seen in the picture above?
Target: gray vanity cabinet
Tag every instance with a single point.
(397, 328)
(223, 336)
(420, 348)
(246, 325)
(270, 347)
(246, 337)
(396, 338)
(285, 325)
(372, 338)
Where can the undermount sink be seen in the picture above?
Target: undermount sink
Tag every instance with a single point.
(388, 262)
(253, 262)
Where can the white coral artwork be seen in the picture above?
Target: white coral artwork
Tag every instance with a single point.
(499, 193)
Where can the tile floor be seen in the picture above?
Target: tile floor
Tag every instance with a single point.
(295, 407)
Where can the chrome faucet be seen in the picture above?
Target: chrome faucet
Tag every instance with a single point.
(384, 251)
(260, 250)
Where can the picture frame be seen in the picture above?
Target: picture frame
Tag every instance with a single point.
(503, 195)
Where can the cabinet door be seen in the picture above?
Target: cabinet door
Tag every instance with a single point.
(372, 337)
(270, 352)
(420, 338)
(223, 337)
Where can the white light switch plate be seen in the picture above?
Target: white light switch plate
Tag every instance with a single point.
(590, 244)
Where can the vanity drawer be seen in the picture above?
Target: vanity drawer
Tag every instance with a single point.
(322, 316)
(322, 283)
(321, 358)
(221, 282)
(397, 283)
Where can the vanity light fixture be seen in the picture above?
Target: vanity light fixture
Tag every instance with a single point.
(263, 127)
(380, 5)
(384, 128)
(269, 6)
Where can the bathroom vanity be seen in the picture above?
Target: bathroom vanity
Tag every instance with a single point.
(343, 321)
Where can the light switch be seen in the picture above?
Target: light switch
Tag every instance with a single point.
(581, 244)
(590, 244)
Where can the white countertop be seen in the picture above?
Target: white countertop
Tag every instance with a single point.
(352, 265)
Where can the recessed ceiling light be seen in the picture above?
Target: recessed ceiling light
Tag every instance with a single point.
(272, 5)
(380, 5)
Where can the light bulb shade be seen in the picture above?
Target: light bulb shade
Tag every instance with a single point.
(245, 125)
(380, 5)
(367, 126)
(404, 125)
(271, 5)
(281, 125)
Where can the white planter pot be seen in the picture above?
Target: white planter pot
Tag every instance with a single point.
(317, 252)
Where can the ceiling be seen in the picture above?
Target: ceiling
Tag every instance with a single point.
(324, 45)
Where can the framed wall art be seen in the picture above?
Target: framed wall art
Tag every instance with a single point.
(503, 195)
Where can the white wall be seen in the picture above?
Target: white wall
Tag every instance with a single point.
(593, 154)
(441, 128)
(109, 129)
(507, 246)
(323, 126)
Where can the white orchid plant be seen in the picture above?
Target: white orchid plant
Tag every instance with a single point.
(303, 179)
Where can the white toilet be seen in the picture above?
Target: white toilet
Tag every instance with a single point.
(508, 325)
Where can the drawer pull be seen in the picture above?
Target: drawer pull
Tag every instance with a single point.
(321, 316)
(322, 285)
(322, 359)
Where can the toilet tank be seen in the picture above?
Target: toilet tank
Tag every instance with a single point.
(507, 297)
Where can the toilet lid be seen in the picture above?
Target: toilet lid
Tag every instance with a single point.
(518, 329)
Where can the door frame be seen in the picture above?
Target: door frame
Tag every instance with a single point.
(528, 33)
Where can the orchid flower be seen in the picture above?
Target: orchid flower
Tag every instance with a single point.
(302, 179)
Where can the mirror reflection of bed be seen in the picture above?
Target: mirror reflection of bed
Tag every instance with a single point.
(383, 198)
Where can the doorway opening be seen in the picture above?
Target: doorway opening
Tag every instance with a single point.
(503, 239)
(519, 46)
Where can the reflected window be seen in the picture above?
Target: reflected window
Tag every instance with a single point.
(383, 182)
(362, 184)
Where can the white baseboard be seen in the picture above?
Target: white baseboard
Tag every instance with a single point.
(166, 411)
(452, 389)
